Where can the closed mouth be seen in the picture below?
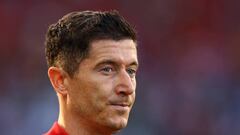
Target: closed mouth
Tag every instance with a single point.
(121, 104)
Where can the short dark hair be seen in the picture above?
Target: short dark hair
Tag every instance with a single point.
(67, 41)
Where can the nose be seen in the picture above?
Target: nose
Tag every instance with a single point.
(125, 84)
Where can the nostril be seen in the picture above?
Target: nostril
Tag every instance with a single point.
(122, 94)
(123, 90)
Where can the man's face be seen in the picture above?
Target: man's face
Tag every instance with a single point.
(102, 92)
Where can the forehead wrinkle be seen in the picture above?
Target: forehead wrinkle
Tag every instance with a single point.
(113, 44)
(120, 61)
(106, 50)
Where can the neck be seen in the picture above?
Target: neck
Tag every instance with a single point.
(75, 125)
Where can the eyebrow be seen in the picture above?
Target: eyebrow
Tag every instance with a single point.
(112, 62)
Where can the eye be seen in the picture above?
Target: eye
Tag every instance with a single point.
(131, 72)
(107, 70)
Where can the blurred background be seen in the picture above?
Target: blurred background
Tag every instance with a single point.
(189, 78)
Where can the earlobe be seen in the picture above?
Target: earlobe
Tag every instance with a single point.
(57, 77)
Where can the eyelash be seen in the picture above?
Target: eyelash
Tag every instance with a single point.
(131, 72)
(106, 70)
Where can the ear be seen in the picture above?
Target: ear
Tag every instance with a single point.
(57, 77)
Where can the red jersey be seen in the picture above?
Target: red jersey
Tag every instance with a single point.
(56, 130)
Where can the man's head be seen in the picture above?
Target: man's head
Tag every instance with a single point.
(68, 40)
(92, 59)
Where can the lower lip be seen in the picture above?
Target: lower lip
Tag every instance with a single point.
(120, 108)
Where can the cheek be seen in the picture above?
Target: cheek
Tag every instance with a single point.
(134, 93)
(99, 90)
(103, 84)
(134, 83)
(133, 97)
(92, 92)
(86, 100)
(81, 92)
(103, 90)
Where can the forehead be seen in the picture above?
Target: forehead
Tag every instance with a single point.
(122, 49)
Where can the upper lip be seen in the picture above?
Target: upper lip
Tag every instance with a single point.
(123, 104)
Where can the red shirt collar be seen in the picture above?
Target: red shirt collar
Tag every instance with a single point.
(56, 130)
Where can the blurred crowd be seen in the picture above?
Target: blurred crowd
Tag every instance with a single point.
(189, 77)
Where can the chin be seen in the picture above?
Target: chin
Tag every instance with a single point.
(115, 120)
(119, 123)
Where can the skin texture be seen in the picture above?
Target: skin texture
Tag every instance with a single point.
(98, 99)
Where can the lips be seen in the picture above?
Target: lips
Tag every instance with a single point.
(121, 106)
(122, 103)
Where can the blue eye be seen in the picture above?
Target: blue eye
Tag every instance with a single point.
(131, 72)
